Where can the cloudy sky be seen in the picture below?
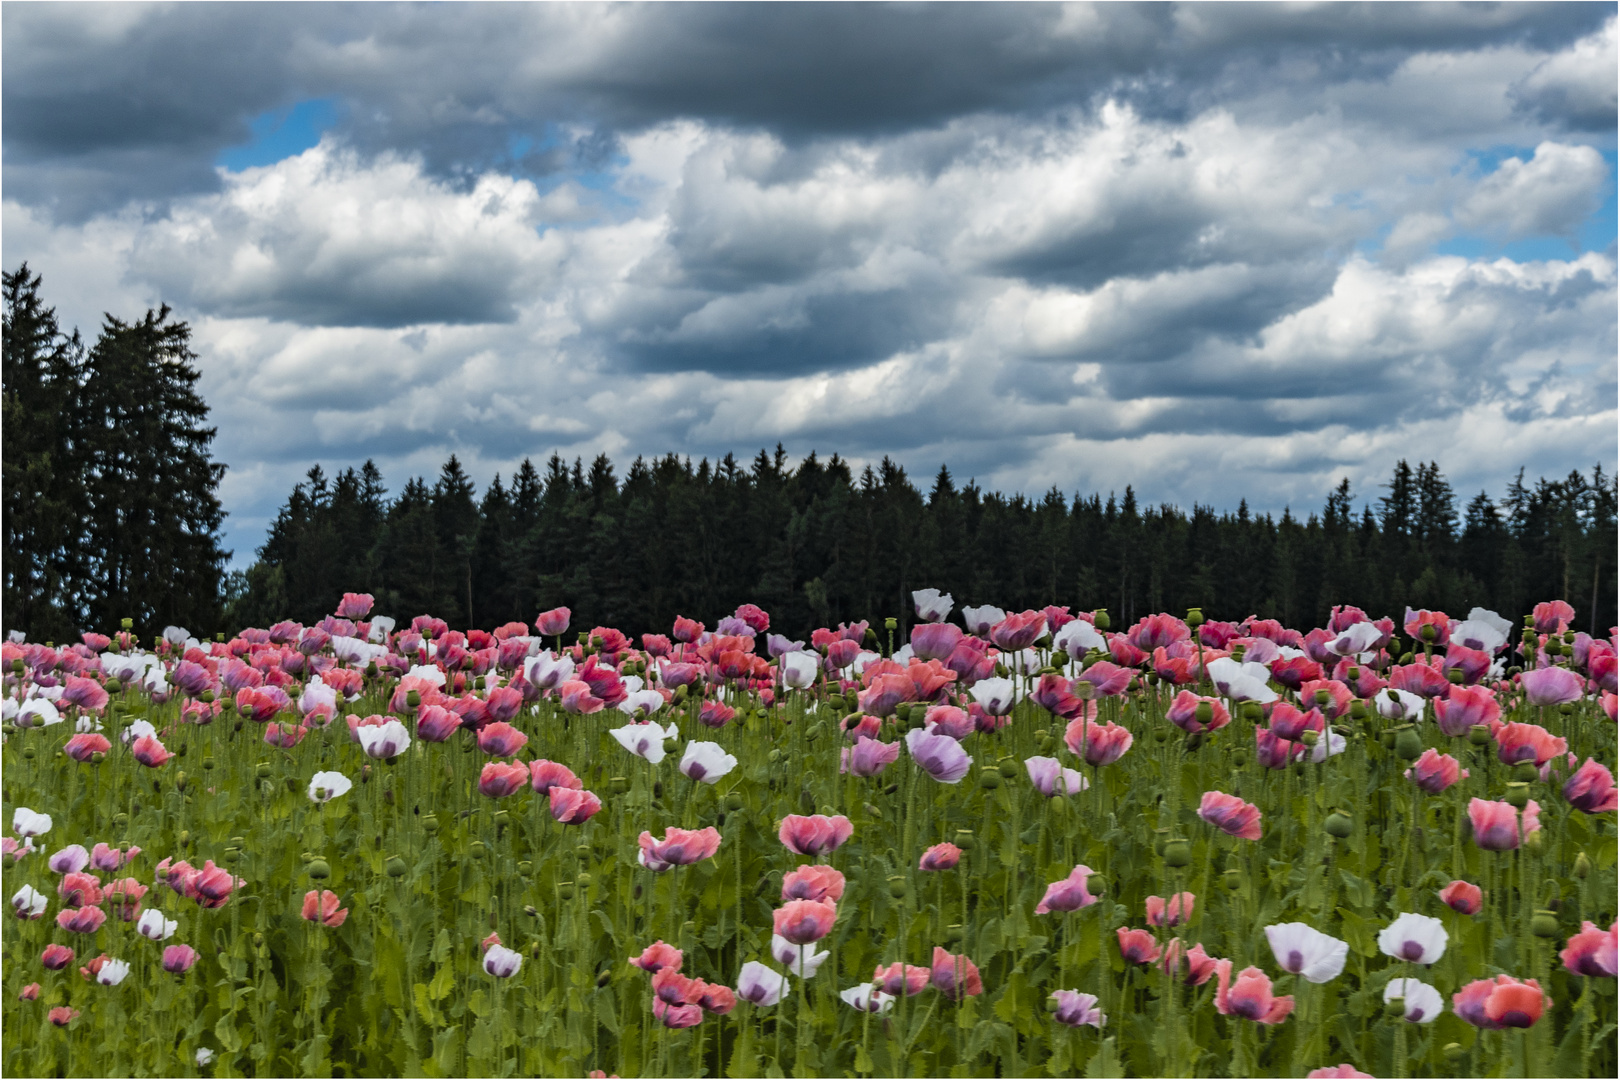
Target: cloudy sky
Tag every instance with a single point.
(1212, 251)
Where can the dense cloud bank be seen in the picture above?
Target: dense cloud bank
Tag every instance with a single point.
(1214, 251)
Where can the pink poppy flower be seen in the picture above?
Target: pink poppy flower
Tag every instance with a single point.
(1250, 996)
(573, 806)
(656, 957)
(545, 775)
(1200, 965)
(935, 641)
(1338, 1072)
(1183, 712)
(1527, 742)
(1177, 911)
(1018, 631)
(1077, 1010)
(679, 847)
(1592, 951)
(868, 757)
(1552, 617)
(1137, 946)
(575, 697)
(82, 746)
(940, 857)
(1462, 896)
(816, 834)
(1500, 1003)
(1434, 771)
(804, 921)
(897, 979)
(322, 907)
(1230, 814)
(1070, 894)
(1551, 686)
(955, 976)
(554, 622)
(813, 882)
(501, 778)
(1098, 744)
(149, 752)
(1590, 789)
(1465, 706)
(1496, 824)
(501, 739)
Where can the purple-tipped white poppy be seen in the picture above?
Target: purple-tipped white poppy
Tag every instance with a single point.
(1393, 704)
(29, 903)
(645, 740)
(383, 741)
(799, 669)
(1241, 682)
(940, 756)
(326, 786)
(502, 962)
(640, 702)
(1051, 778)
(867, 998)
(70, 860)
(1420, 939)
(801, 960)
(112, 972)
(706, 762)
(761, 985)
(1077, 1009)
(1355, 639)
(38, 712)
(1078, 638)
(26, 822)
(1423, 1002)
(979, 620)
(1303, 950)
(931, 605)
(154, 926)
(1483, 630)
(995, 696)
(547, 672)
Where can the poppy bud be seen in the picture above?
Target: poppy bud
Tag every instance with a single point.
(1583, 866)
(394, 866)
(1339, 824)
(989, 778)
(531, 911)
(1479, 735)
(658, 789)
(1407, 658)
(1058, 805)
(1526, 772)
(1532, 842)
(871, 636)
(318, 869)
(734, 801)
(1099, 619)
(774, 756)
(1395, 1007)
(897, 886)
(1518, 793)
(601, 980)
(180, 780)
(1177, 853)
(1195, 617)
(1544, 924)
(1232, 879)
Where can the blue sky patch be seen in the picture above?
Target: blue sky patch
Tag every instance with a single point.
(282, 133)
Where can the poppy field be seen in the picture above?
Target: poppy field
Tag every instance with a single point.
(986, 843)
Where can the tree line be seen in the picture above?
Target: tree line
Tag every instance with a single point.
(817, 542)
(111, 511)
(110, 507)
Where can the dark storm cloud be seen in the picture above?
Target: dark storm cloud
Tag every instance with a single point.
(109, 102)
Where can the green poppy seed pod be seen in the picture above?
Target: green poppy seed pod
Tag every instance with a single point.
(734, 801)
(1567, 708)
(953, 933)
(1323, 697)
(232, 854)
(619, 785)
(208, 763)
(1386, 739)
(262, 770)
(1059, 805)
(566, 890)
(1533, 842)
(1096, 884)
(1526, 772)
(525, 868)
(1338, 824)
(1161, 837)
(1544, 924)
(1177, 853)
(1407, 658)
(917, 719)
(1252, 711)
(17, 667)
(583, 879)
(1161, 734)
(671, 746)
(602, 980)
(891, 623)
(318, 870)
(478, 682)
(897, 886)
(1232, 879)
(394, 866)
(127, 624)
(120, 819)
(1479, 735)
(1204, 713)
(1238, 652)
(1358, 710)
(1583, 866)
(1240, 758)
(430, 822)
(1051, 1005)
(1408, 743)
(1008, 768)
(1060, 659)
(1427, 633)
(989, 777)
(582, 850)
(29, 753)
(1195, 617)
(306, 857)
(477, 849)
(965, 839)
(413, 698)
(1518, 793)
(1308, 737)
(1454, 1052)
(1455, 676)
(1395, 1007)
(1099, 619)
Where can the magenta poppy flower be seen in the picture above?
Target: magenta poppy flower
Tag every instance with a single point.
(1434, 771)
(211, 886)
(56, 957)
(1590, 789)
(82, 746)
(435, 723)
(1271, 752)
(1018, 631)
(81, 920)
(104, 857)
(1552, 617)
(1528, 742)
(804, 921)
(1465, 706)
(679, 847)
(715, 714)
(1462, 896)
(884, 691)
(868, 757)
(1500, 1003)
(501, 739)
(1474, 664)
(554, 622)
(1250, 996)
(545, 775)
(1551, 686)
(575, 697)
(901, 979)
(1592, 952)
(501, 778)
(284, 736)
(955, 976)
(1106, 679)
(949, 720)
(1496, 824)
(149, 752)
(816, 834)
(686, 630)
(935, 640)
(1291, 724)
(1338, 1072)
(1056, 695)
(1230, 814)
(1097, 744)
(1200, 965)
(1420, 679)
(1070, 894)
(1183, 712)
(1137, 946)
(940, 857)
(573, 806)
